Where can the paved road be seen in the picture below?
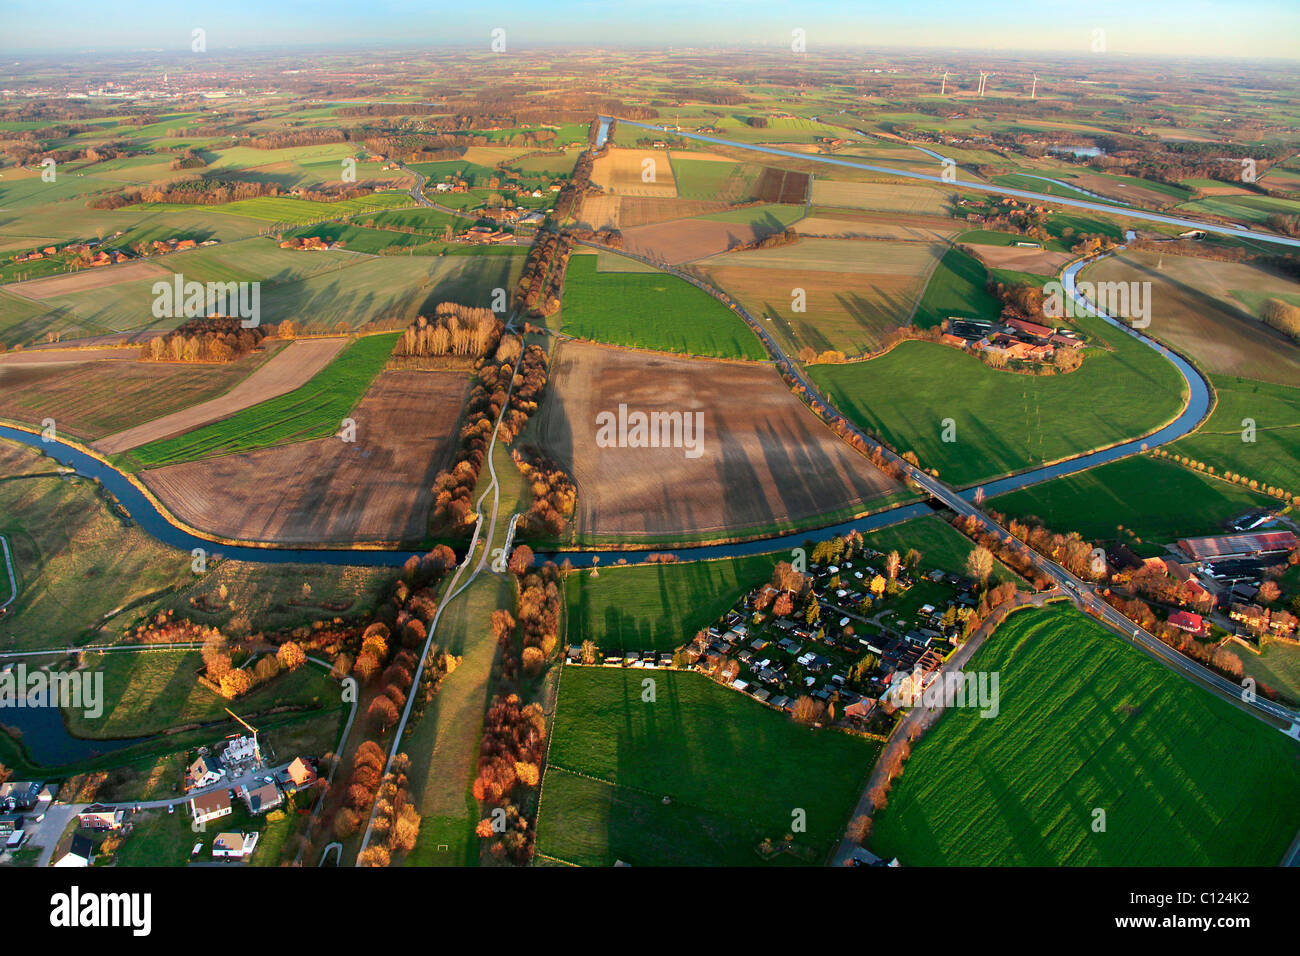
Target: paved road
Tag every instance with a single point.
(1109, 207)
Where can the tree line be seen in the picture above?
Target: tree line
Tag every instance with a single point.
(203, 340)
(454, 329)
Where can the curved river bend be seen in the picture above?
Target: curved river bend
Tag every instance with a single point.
(147, 515)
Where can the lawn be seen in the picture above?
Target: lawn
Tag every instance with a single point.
(313, 411)
(1004, 422)
(1273, 458)
(1150, 499)
(653, 311)
(1088, 723)
(148, 692)
(657, 606)
(735, 772)
(957, 287)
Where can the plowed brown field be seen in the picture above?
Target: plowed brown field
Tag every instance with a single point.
(765, 459)
(292, 367)
(326, 491)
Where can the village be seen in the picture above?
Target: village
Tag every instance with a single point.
(836, 645)
(232, 796)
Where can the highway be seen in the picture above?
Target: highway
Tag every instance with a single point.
(1114, 208)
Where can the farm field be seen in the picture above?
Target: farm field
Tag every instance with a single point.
(1004, 422)
(652, 311)
(684, 240)
(1277, 666)
(854, 292)
(290, 368)
(1273, 458)
(77, 564)
(702, 176)
(107, 393)
(880, 197)
(1129, 500)
(376, 489)
(86, 280)
(657, 606)
(956, 287)
(625, 172)
(1200, 307)
(847, 224)
(764, 463)
(312, 411)
(1088, 722)
(633, 211)
(735, 771)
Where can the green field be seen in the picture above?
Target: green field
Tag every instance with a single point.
(1274, 457)
(76, 563)
(657, 606)
(1086, 723)
(1151, 499)
(735, 771)
(957, 287)
(1004, 422)
(709, 179)
(661, 606)
(312, 411)
(653, 311)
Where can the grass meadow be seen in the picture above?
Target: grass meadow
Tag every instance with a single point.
(734, 772)
(1088, 723)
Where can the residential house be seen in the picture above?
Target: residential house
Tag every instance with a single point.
(210, 806)
(204, 772)
(99, 816)
(1187, 621)
(237, 846)
(81, 852)
(261, 798)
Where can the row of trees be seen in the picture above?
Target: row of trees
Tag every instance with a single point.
(192, 192)
(555, 496)
(542, 280)
(203, 340)
(529, 383)
(453, 489)
(454, 330)
(397, 822)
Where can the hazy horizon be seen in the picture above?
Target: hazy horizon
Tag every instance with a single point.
(1250, 29)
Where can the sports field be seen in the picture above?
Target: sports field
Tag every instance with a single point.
(313, 411)
(653, 311)
(1130, 499)
(1004, 422)
(1086, 724)
(734, 772)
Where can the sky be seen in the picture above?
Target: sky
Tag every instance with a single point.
(1241, 28)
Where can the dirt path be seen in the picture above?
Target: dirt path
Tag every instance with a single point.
(292, 368)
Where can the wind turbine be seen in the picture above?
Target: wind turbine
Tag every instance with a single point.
(945, 83)
(983, 77)
(1034, 92)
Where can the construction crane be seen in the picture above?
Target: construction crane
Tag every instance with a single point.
(257, 749)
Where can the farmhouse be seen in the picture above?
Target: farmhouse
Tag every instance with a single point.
(1186, 621)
